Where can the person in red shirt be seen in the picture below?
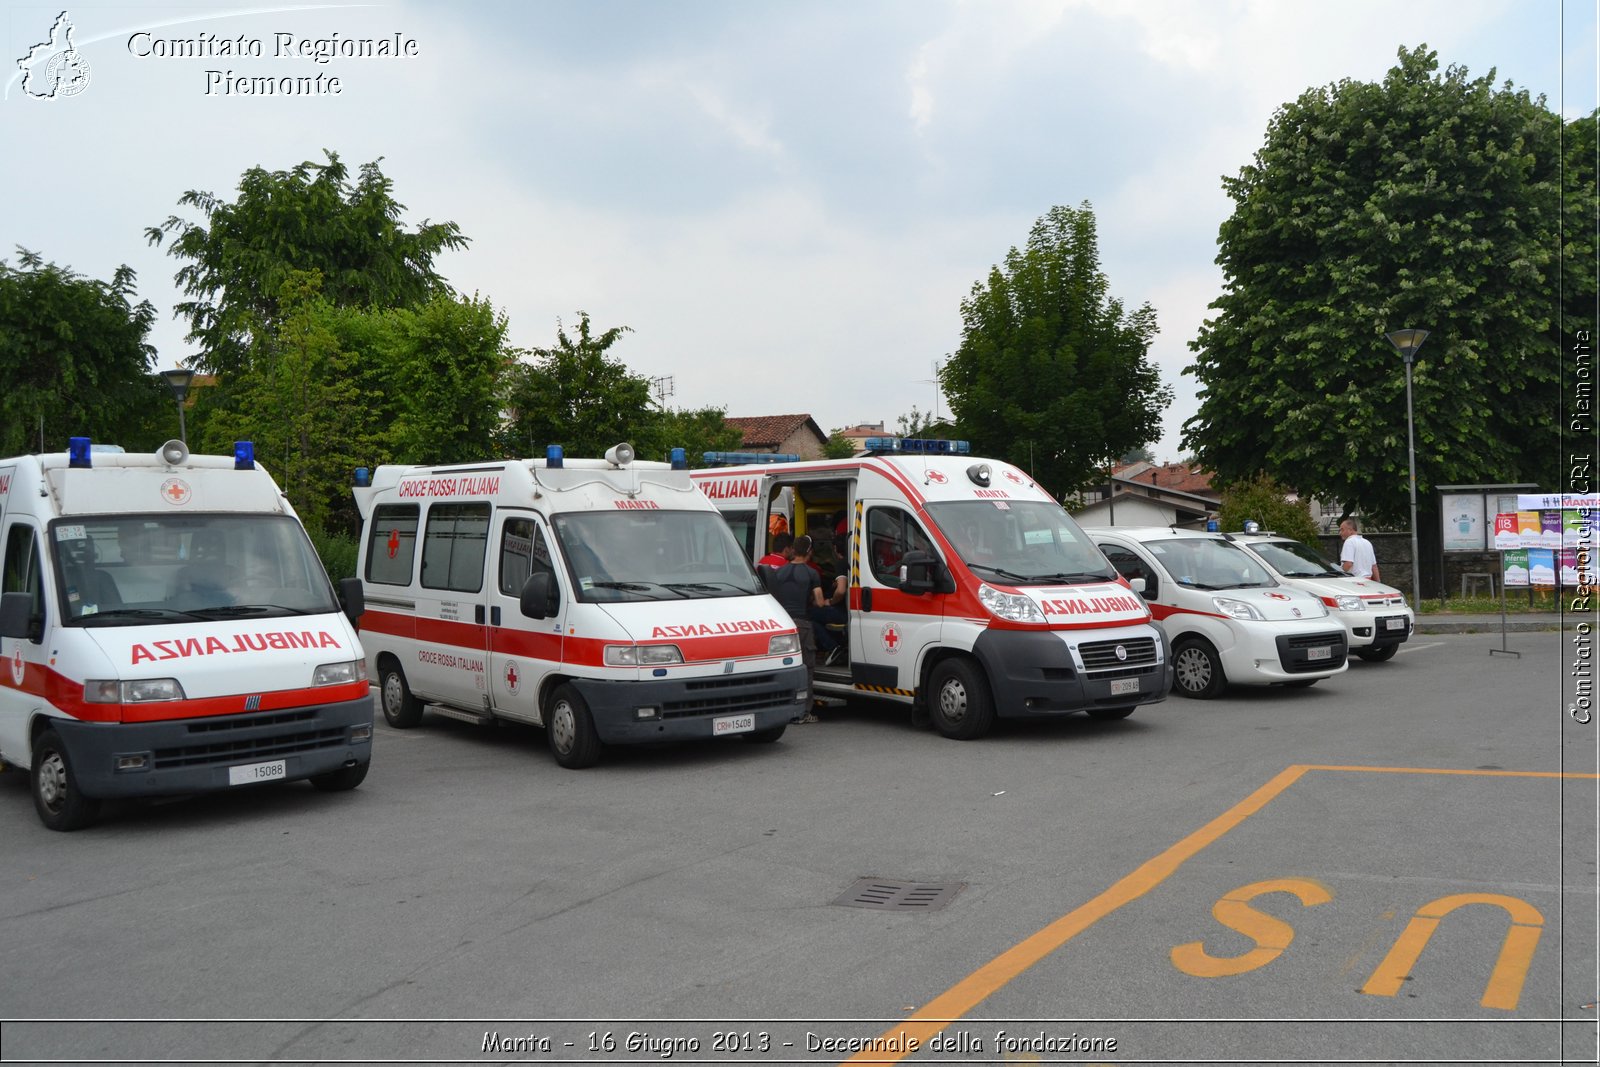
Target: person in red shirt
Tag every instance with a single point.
(782, 551)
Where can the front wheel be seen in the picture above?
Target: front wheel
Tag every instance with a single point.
(56, 797)
(1378, 655)
(400, 709)
(569, 728)
(342, 779)
(959, 700)
(1197, 669)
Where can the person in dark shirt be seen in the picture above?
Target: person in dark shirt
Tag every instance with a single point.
(797, 589)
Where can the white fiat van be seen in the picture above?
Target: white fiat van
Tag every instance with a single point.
(602, 599)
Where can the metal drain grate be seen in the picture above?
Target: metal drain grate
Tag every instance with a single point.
(882, 894)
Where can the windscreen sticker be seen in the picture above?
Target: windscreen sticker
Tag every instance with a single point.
(71, 533)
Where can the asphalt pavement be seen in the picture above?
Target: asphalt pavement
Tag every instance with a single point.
(1453, 623)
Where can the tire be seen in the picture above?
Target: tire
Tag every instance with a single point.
(1378, 655)
(959, 700)
(1197, 669)
(770, 734)
(56, 797)
(570, 729)
(343, 779)
(400, 709)
(1110, 714)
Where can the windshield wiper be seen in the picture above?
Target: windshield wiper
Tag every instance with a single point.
(1075, 576)
(1203, 585)
(1001, 572)
(629, 587)
(705, 587)
(230, 610)
(134, 616)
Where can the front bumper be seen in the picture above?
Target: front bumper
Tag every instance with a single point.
(1034, 673)
(1377, 629)
(194, 755)
(685, 709)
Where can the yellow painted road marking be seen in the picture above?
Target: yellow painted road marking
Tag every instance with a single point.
(961, 998)
(1271, 935)
(1510, 968)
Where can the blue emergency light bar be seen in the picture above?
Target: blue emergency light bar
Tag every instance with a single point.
(918, 446)
(679, 458)
(363, 477)
(734, 459)
(553, 457)
(78, 452)
(244, 456)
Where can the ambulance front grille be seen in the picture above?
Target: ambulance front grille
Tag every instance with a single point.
(755, 693)
(242, 750)
(1100, 657)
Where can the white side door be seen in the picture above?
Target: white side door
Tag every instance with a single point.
(522, 651)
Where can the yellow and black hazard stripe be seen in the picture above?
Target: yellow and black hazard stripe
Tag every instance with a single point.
(887, 690)
(855, 548)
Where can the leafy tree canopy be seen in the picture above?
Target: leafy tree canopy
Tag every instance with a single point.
(75, 361)
(310, 218)
(1425, 201)
(1261, 498)
(1052, 373)
(838, 446)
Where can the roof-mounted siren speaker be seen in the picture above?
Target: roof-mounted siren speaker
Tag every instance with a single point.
(620, 455)
(174, 453)
(979, 474)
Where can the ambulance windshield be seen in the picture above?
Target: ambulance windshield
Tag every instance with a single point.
(145, 570)
(1020, 542)
(652, 554)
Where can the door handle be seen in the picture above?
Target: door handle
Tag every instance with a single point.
(866, 598)
(477, 614)
(494, 615)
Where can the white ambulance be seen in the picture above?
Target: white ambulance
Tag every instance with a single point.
(167, 628)
(601, 599)
(972, 593)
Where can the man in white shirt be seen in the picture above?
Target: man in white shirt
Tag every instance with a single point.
(1356, 556)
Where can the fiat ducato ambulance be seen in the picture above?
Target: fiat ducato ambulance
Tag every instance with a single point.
(602, 599)
(972, 594)
(167, 628)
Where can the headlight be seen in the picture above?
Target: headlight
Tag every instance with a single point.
(1345, 603)
(642, 655)
(1013, 607)
(351, 670)
(143, 691)
(783, 644)
(1238, 609)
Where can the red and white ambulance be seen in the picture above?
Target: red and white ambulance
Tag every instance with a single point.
(972, 593)
(602, 599)
(167, 628)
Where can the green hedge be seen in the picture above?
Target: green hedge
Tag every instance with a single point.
(338, 552)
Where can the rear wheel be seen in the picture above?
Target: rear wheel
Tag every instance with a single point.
(400, 709)
(959, 700)
(569, 728)
(1382, 654)
(1197, 668)
(1110, 714)
(56, 797)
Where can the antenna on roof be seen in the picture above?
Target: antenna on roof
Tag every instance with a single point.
(662, 387)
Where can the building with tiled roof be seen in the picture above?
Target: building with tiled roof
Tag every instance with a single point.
(1148, 494)
(794, 434)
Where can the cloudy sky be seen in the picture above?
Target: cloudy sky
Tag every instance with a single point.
(786, 201)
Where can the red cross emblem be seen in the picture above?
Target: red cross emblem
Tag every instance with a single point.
(175, 491)
(1014, 476)
(891, 639)
(394, 542)
(18, 667)
(1278, 596)
(512, 677)
(937, 476)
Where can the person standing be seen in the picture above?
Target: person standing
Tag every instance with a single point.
(782, 551)
(1356, 555)
(798, 589)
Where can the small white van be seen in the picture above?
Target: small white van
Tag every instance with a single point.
(602, 599)
(167, 628)
(1228, 618)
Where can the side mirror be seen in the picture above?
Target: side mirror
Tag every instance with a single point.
(918, 573)
(1137, 584)
(17, 618)
(540, 596)
(354, 595)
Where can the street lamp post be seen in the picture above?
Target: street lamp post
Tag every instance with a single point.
(1406, 342)
(178, 381)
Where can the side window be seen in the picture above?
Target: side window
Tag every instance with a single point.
(1130, 566)
(22, 565)
(454, 545)
(891, 533)
(524, 551)
(392, 544)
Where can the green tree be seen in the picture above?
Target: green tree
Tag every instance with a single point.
(1052, 373)
(838, 446)
(697, 432)
(1427, 200)
(74, 360)
(310, 218)
(1261, 498)
(575, 395)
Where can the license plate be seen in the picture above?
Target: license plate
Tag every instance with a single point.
(258, 772)
(1395, 624)
(1120, 686)
(1324, 652)
(732, 724)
